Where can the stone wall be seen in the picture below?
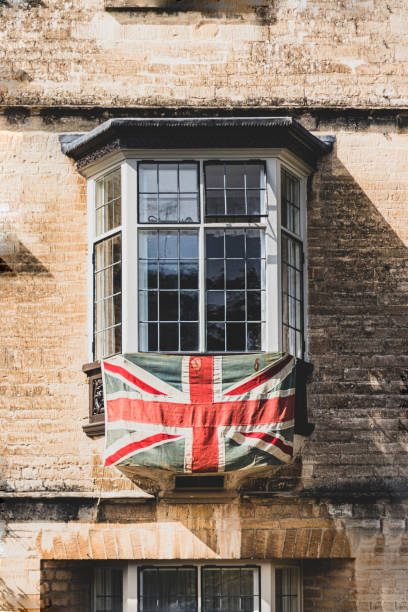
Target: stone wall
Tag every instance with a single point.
(66, 586)
(357, 319)
(297, 52)
(353, 556)
(340, 68)
(357, 323)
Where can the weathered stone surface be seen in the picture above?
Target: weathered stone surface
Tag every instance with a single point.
(340, 68)
(282, 53)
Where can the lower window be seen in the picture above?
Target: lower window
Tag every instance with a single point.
(198, 588)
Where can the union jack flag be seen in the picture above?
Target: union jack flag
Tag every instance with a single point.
(193, 413)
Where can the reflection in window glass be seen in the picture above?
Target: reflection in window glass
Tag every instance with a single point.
(234, 188)
(108, 589)
(230, 589)
(290, 187)
(108, 203)
(235, 289)
(168, 290)
(292, 267)
(168, 192)
(108, 297)
(292, 296)
(286, 589)
(166, 589)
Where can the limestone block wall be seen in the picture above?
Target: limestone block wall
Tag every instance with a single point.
(357, 316)
(353, 557)
(293, 52)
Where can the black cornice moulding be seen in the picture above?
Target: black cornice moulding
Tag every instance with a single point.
(195, 133)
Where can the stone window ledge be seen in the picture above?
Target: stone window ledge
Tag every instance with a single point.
(107, 496)
(96, 423)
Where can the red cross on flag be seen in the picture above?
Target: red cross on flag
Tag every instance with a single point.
(193, 413)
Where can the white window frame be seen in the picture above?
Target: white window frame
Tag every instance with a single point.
(267, 579)
(274, 159)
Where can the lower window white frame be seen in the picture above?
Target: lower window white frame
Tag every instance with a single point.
(267, 570)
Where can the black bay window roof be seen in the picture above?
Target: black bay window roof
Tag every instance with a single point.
(195, 133)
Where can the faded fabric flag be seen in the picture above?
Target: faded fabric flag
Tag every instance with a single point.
(194, 413)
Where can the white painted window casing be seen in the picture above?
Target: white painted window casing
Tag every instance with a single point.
(275, 162)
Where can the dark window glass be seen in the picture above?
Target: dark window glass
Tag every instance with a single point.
(230, 589)
(292, 296)
(236, 202)
(188, 336)
(168, 261)
(215, 306)
(286, 589)
(214, 243)
(168, 588)
(215, 274)
(108, 589)
(236, 337)
(168, 336)
(188, 274)
(215, 336)
(168, 192)
(215, 202)
(234, 189)
(214, 176)
(235, 273)
(235, 289)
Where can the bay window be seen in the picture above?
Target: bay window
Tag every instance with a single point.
(197, 254)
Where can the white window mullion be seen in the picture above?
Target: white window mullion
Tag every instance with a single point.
(303, 231)
(201, 292)
(129, 258)
(199, 598)
(272, 251)
(201, 267)
(265, 597)
(130, 588)
(90, 266)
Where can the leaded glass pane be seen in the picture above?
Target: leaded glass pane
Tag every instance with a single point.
(168, 290)
(292, 296)
(108, 202)
(108, 297)
(230, 589)
(168, 192)
(290, 188)
(108, 589)
(235, 188)
(235, 289)
(168, 589)
(286, 589)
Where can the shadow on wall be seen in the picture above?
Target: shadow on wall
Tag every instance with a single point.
(328, 584)
(16, 259)
(54, 578)
(358, 325)
(12, 599)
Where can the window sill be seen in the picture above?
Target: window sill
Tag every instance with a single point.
(94, 429)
